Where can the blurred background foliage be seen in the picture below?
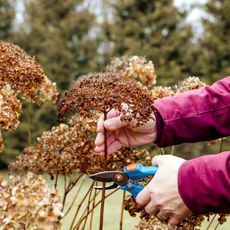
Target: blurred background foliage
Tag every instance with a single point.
(73, 37)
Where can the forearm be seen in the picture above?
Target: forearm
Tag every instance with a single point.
(197, 115)
(204, 183)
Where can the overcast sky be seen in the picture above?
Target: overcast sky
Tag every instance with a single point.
(194, 15)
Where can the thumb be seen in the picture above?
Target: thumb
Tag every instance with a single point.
(156, 160)
(114, 123)
(143, 197)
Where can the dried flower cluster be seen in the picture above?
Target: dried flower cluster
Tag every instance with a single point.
(59, 150)
(189, 83)
(20, 74)
(69, 148)
(105, 91)
(153, 223)
(10, 108)
(134, 67)
(28, 203)
(149, 222)
(160, 91)
(24, 74)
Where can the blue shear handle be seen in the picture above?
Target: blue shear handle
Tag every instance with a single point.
(132, 187)
(141, 171)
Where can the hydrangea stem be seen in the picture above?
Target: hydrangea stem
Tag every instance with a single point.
(122, 211)
(92, 213)
(104, 168)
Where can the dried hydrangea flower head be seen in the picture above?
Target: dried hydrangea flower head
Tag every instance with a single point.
(10, 108)
(69, 148)
(104, 91)
(189, 83)
(153, 223)
(23, 74)
(61, 150)
(161, 91)
(28, 203)
(135, 67)
(20, 74)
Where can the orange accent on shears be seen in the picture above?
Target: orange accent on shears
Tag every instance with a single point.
(131, 167)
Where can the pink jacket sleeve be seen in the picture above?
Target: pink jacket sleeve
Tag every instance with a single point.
(204, 183)
(197, 115)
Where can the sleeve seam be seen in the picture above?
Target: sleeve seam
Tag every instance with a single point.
(198, 114)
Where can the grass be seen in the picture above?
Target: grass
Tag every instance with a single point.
(112, 210)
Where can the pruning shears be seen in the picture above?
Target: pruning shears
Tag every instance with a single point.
(127, 178)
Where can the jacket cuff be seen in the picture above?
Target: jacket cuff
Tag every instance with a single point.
(204, 182)
(159, 127)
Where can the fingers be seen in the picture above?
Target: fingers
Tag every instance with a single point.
(100, 124)
(143, 197)
(114, 123)
(113, 144)
(100, 138)
(151, 207)
(174, 220)
(156, 160)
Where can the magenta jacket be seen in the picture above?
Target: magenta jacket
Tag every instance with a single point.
(199, 115)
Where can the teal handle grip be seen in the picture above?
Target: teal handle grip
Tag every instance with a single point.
(133, 187)
(139, 171)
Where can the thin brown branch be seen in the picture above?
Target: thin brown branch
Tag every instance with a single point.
(87, 208)
(217, 225)
(56, 181)
(221, 145)
(73, 182)
(104, 167)
(210, 223)
(122, 211)
(172, 150)
(99, 202)
(79, 206)
(76, 195)
(162, 151)
(93, 206)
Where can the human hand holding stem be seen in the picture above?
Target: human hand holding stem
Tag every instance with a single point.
(161, 195)
(120, 135)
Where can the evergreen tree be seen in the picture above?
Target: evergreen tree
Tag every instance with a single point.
(56, 32)
(153, 29)
(6, 19)
(215, 47)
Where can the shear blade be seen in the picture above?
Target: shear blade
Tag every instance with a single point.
(107, 176)
(112, 186)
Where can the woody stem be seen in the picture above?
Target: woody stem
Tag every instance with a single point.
(104, 168)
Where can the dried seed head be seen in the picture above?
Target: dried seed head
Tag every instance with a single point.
(160, 91)
(105, 91)
(10, 108)
(20, 74)
(134, 67)
(69, 148)
(189, 83)
(24, 74)
(28, 202)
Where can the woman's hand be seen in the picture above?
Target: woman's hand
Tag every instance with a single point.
(119, 135)
(161, 195)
